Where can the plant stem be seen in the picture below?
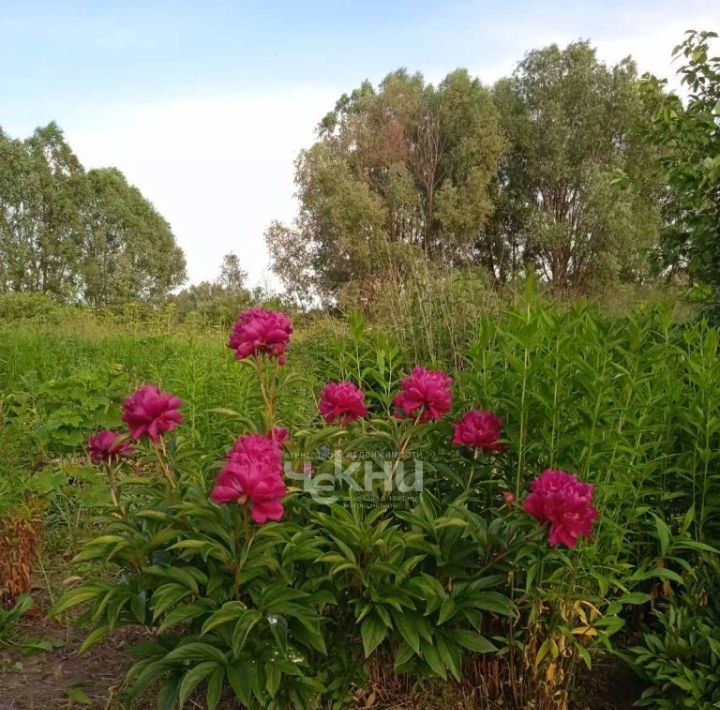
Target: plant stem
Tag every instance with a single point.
(161, 452)
(403, 447)
(113, 485)
(268, 396)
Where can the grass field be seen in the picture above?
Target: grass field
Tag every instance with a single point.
(629, 404)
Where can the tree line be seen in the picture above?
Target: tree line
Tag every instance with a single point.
(582, 172)
(79, 235)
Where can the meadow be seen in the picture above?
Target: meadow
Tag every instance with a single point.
(454, 595)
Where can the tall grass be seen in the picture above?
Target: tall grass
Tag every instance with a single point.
(631, 404)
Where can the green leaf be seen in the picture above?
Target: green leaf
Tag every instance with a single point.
(493, 601)
(451, 656)
(403, 654)
(77, 695)
(239, 674)
(137, 606)
(635, 598)
(182, 614)
(242, 629)
(272, 679)
(447, 610)
(229, 612)
(663, 534)
(279, 631)
(406, 625)
(76, 597)
(193, 678)
(472, 641)
(373, 633)
(215, 686)
(166, 597)
(176, 574)
(168, 693)
(431, 655)
(195, 651)
(94, 637)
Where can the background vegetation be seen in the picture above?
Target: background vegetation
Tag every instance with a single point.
(551, 242)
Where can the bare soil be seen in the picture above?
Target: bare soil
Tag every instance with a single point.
(61, 678)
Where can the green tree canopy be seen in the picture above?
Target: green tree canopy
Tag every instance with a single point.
(41, 184)
(129, 249)
(562, 207)
(397, 171)
(77, 235)
(232, 275)
(219, 301)
(688, 138)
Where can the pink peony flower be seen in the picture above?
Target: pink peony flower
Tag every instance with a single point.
(253, 484)
(479, 430)
(565, 502)
(425, 392)
(150, 412)
(342, 402)
(256, 447)
(509, 498)
(261, 332)
(253, 475)
(108, 446)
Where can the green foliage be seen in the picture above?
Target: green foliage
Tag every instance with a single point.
(686, 134)
(229, 609)
(571, 123)
(38, 307)
(10, 617)
(219, 302)
(399, 172)
(425, 584)
(631, 404)
(551, 171)
(76, 235)
(129, 251)
(432, 312)
(679, 653)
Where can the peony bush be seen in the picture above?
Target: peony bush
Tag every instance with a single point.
(387, 533)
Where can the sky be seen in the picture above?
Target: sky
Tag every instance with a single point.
(204, 105)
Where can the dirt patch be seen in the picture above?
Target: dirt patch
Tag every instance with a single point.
(62, 678)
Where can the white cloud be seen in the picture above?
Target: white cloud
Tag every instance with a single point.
(219, 169)
(650, 38)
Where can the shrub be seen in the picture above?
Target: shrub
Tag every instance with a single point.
(679, 654)
(35, 306)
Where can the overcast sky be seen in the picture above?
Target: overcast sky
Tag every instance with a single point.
(204, 105)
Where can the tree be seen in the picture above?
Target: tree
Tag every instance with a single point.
(396, 172)
(217, 302)
(129, 249)
(564, 206)
(232, 275)
(79, 236)
(41, 188)
(688, 137)
(292, 261)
